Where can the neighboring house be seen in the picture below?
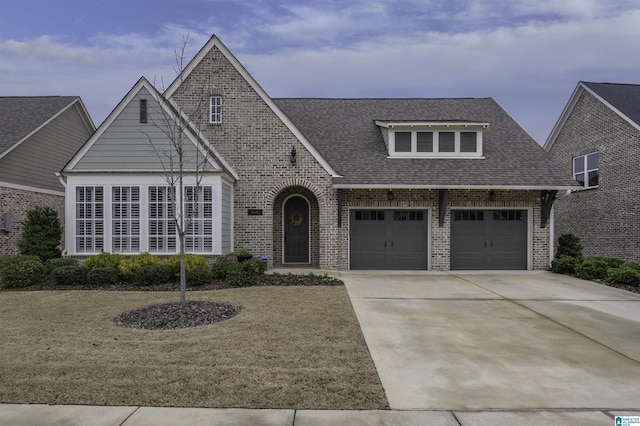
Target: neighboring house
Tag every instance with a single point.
(332, 183)
(597, 141)
(38, 135)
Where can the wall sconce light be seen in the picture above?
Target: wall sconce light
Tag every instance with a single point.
(492, 195)
(293, 155)
(390, 195)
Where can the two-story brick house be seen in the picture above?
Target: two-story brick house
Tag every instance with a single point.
(596, 140)
(38, 134)
(332, 183)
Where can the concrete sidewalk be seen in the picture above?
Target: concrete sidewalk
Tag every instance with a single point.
(75, 415)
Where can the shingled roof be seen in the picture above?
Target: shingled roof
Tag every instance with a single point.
(623, 97)
(345, 134)
(19, 116)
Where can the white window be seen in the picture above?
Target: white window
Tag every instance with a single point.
(215, 110)
(199, 210)
(162, 228)
(125, 219)
(586, 170)
(89, 206)
(433, 139)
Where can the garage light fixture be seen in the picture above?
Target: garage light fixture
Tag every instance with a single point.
(492, 195)
(390, 196)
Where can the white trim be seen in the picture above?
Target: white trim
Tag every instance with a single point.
(430, 124)
(284, 203)
(31, 189)
(436, 187)
(410, 208)
(436, 153)
(215, 42)
(90, 127)
(552, 237)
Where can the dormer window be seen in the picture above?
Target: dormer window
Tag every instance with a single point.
(433, 139)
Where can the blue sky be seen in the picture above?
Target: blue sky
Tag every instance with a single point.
(527, 54)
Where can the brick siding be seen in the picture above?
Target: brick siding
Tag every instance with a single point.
(607, 218)
(18, 202)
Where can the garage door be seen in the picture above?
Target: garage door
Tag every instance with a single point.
(388, 239)
(489, 239)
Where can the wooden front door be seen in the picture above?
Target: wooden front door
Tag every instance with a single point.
(296, 230)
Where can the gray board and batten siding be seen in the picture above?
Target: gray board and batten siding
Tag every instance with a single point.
(227, 218)
(128, 144)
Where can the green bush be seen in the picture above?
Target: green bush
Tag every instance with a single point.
(41, 234)
(69, 275)
(247, 273)
(612, 262)
(624, 275)
(160, 273)
(223, 266)
(198, 276)
(592, 268)
(58, 262)
(565, 265)
(190, 261)
(569, 245)
(130, 266)
(103, 260)
(22, 271)
(105, 275)
(633, 265)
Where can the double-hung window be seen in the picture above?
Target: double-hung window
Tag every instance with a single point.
(89, 206)
(162, 228)
(199, 211)
(125, 219)
(215, 110)
(586, 170)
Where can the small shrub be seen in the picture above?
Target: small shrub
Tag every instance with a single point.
(198, 277)
(160, 273)
(190, 261)
(130, 266)
(58, 262)
(41, 234)
(106, 275)
(634, 265)
(222, 267)
(68, 275)
(612, 262)
(103, 260)
(592, 268)
(624, 275)
(247, 273)
(565, 265)
(569, 245)
(22, 271)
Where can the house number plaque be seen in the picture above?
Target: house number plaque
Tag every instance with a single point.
(254, 212)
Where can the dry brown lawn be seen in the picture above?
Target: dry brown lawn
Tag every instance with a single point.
(290, 347)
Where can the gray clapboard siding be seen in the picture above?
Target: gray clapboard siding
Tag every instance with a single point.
(128, 144)
(227, 223)
(36, 161)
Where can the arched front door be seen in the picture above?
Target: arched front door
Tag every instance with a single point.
(296, 230)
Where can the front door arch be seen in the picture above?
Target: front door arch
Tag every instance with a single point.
(296, 229)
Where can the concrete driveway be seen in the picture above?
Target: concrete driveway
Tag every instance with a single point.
(500, 341)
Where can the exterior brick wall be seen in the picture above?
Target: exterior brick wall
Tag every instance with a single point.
(257, 144)
(441, 236)
(607, 218)
(18, 202)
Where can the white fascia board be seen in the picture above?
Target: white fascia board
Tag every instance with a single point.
(438, 124)
(612, 108)
(469, 187)
(53, 117)
(566, 112)
(215, 42)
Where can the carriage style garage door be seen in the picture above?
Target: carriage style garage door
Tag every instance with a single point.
(388, 239)
(488, 239)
